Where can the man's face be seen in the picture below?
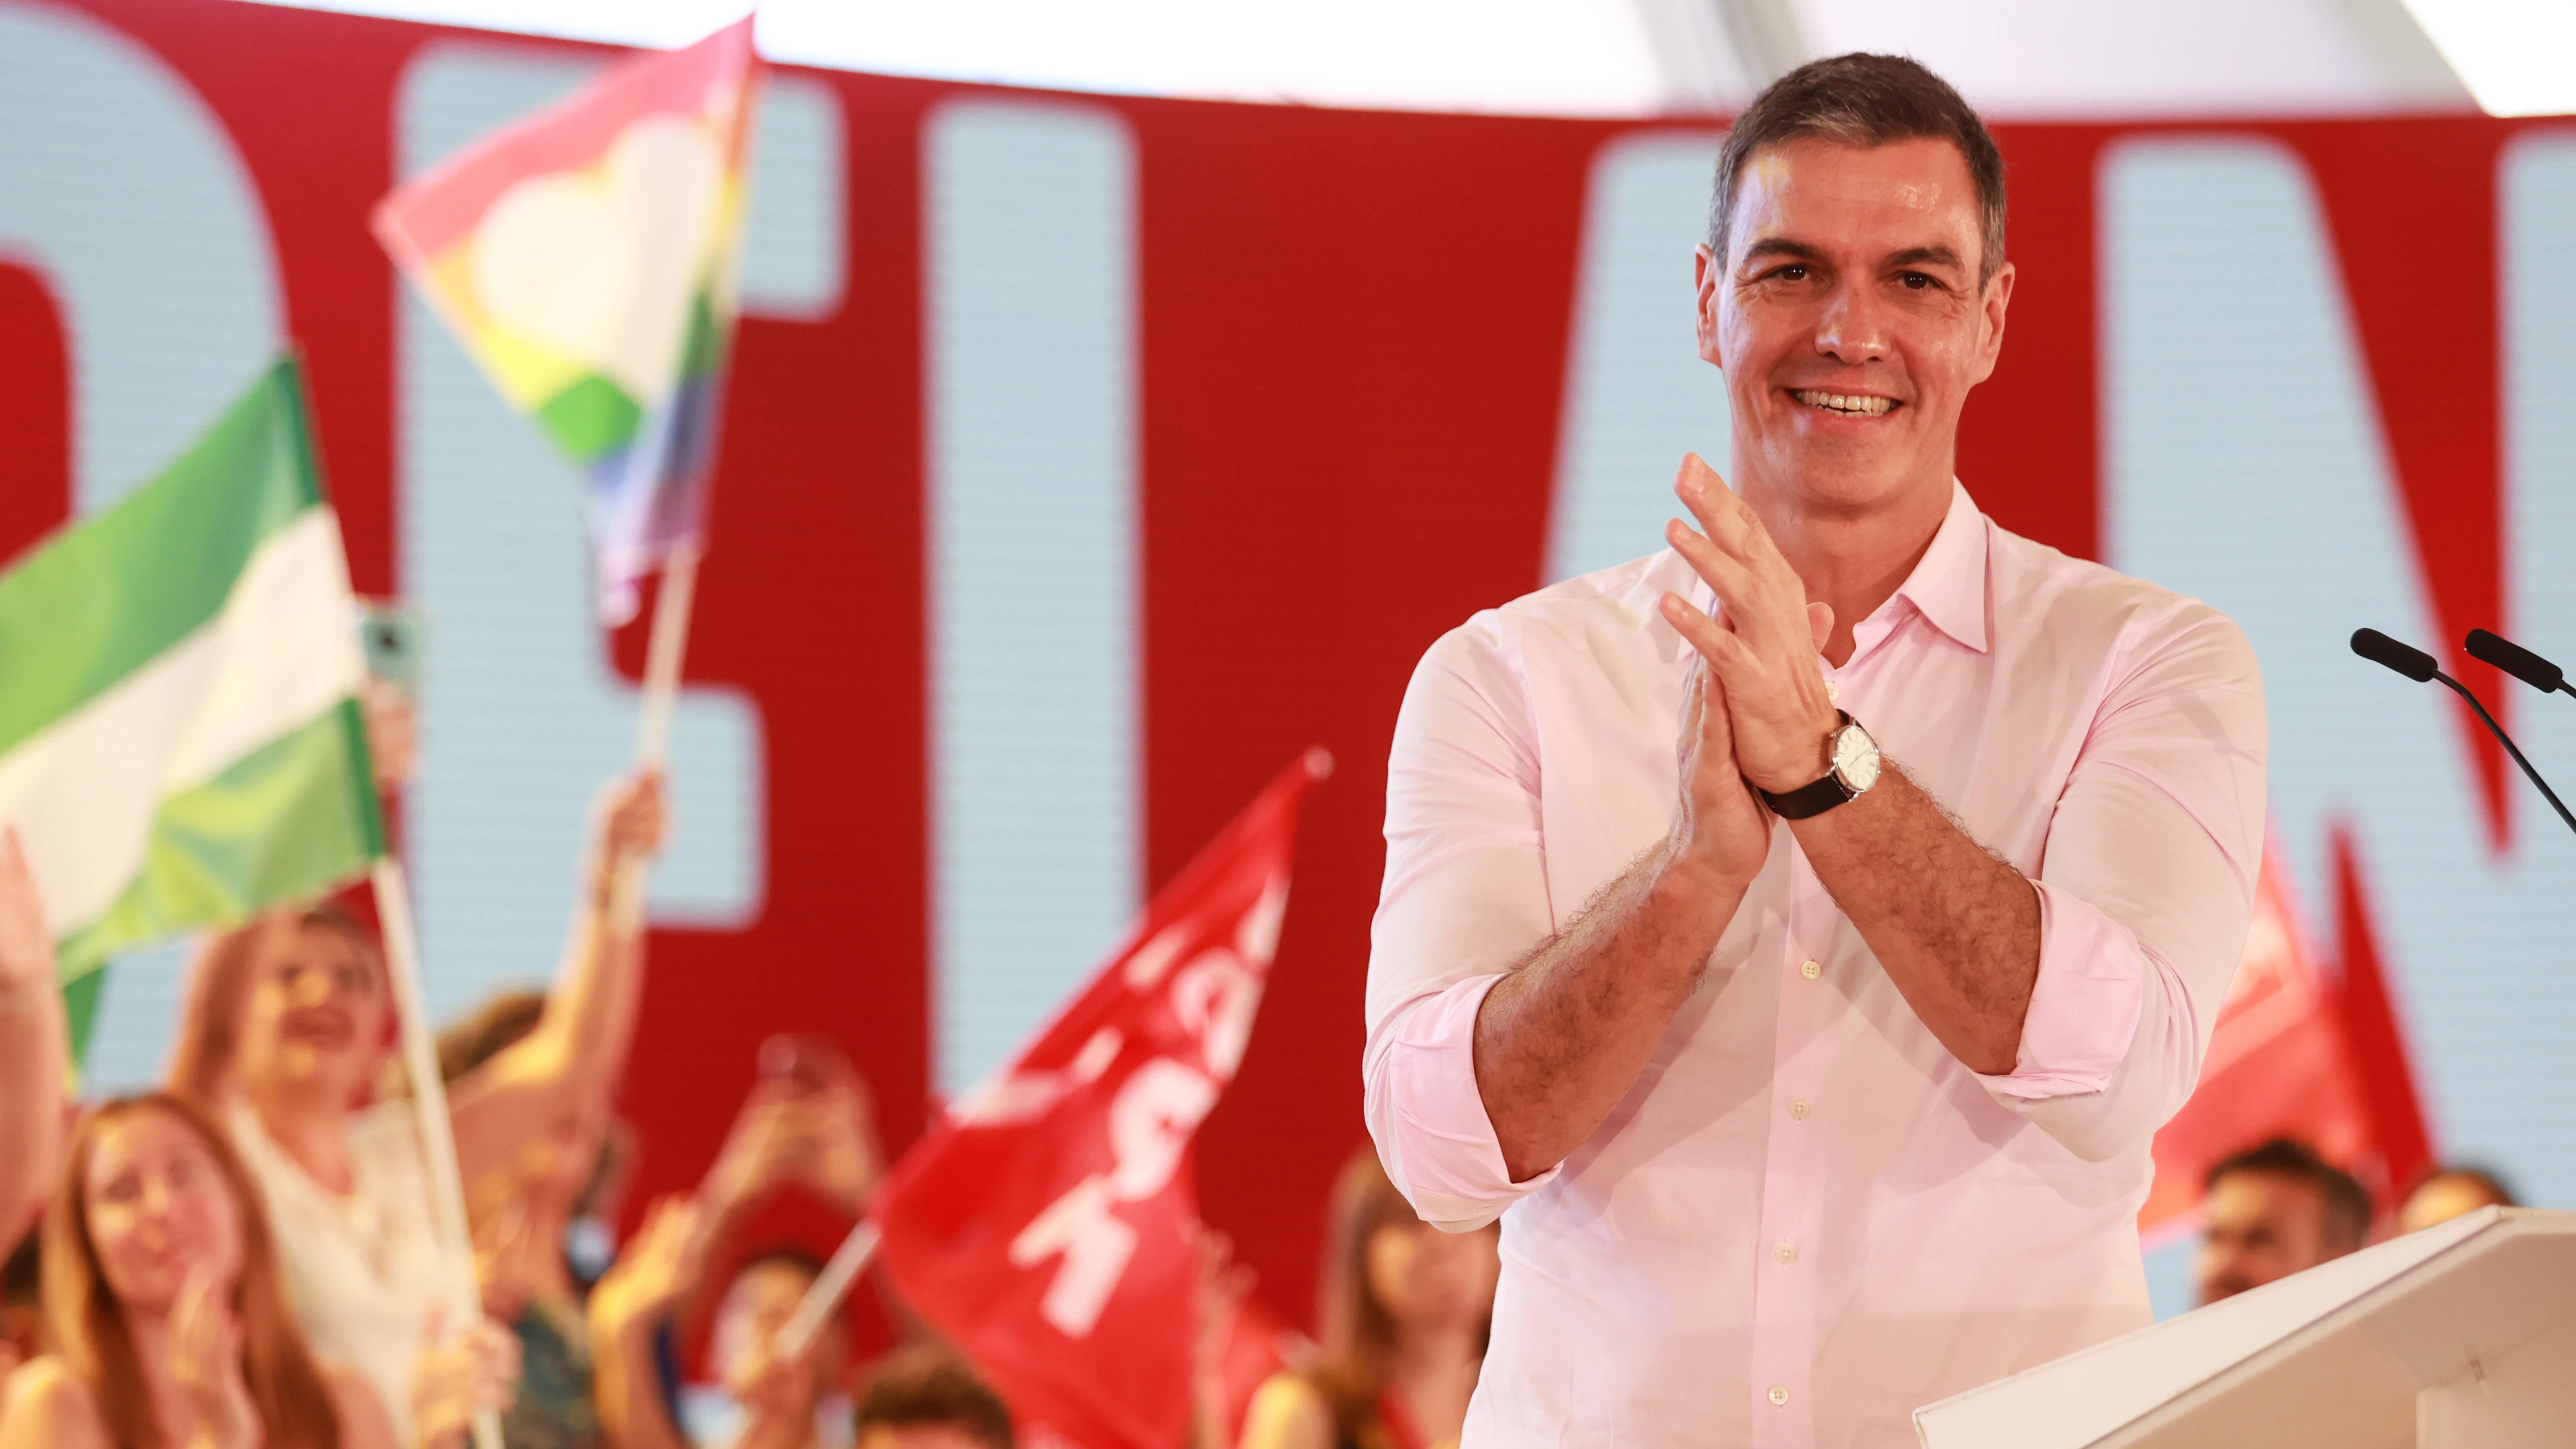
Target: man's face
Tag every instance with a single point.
(1849, 319)
(2262, 1226)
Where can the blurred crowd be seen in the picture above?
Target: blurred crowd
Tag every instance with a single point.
(250, 1255)
(2279, 1207)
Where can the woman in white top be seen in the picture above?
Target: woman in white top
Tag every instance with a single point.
(288, 1030)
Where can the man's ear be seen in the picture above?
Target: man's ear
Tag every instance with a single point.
(1707, 273)
(1990, 320)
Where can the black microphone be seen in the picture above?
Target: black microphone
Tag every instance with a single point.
(2417, 665)
(2517, 661)
(2406, 659)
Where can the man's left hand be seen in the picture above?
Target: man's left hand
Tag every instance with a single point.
(1765, 649)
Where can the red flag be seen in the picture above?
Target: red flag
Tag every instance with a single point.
(1047, 1226)
(2286, 1060)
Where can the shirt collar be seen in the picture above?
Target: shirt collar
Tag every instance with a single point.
(1948, 585)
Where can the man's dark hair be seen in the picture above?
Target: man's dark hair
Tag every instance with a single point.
(502, 1021)
(1863, 100)
(2347, 1205)
(930, 1384)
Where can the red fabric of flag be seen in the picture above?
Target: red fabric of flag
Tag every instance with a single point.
(1047, 1227)
(2286, 1060)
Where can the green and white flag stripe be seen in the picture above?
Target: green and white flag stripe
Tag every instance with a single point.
(180, 743)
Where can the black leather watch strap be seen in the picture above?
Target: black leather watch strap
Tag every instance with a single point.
(1814, 799)
(1807, 800)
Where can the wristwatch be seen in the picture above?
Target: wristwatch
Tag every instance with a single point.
(1855, 769)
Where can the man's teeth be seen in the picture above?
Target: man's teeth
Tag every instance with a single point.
(1835, 402)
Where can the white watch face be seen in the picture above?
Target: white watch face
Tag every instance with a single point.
(1855, 758)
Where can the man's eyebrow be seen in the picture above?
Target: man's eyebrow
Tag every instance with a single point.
(1764, 248)
(1934, 256)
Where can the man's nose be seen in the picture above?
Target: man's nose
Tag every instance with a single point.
(1853, 327)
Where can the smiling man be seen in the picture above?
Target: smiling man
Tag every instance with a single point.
(1795, 936)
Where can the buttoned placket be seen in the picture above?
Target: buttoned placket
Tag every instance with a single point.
(1793, 1181)
(1793, 1177)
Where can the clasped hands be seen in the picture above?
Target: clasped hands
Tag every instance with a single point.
(1755, 713)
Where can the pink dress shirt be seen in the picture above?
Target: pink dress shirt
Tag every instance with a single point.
(1807, 1218)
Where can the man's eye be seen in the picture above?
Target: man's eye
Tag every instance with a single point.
(1914, 281)
(1794, 272)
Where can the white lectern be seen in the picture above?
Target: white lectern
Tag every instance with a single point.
(2463, 1334)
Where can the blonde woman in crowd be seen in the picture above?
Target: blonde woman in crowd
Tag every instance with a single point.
(169, 1325)
(288, 1028)
(1406, 1309)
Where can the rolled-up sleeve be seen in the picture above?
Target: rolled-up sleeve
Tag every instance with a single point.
(1465, 897)
(2146, 889)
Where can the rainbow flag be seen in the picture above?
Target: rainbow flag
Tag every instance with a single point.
(588, 257)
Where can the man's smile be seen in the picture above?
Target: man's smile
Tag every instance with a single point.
(1847, 404)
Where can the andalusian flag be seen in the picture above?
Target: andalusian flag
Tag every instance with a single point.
(180, 741)
(588, 258)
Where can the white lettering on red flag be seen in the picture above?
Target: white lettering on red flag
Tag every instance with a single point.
(1047, 1226)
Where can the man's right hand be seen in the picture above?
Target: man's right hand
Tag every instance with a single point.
(1722, 833)
(1562, 1037)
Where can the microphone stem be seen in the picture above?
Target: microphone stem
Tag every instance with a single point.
(2501, 738)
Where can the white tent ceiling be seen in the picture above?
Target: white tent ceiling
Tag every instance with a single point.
(2012, 58)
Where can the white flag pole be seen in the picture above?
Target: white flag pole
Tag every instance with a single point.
(829, 1288)
(429, 1111)
(662, 654)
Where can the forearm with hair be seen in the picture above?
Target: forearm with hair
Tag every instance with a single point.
(1562, 1037)
(1955, 928)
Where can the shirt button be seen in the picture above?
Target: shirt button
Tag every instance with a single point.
(1798, 1108)
(1779, 1394)
(1811, 970)
(1786, 1252)
(1833, 690)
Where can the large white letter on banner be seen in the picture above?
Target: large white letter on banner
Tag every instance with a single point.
(1149, 1127)
(1095, 1245)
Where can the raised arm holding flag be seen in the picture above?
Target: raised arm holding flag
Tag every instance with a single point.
(181, 743)
(588, 258)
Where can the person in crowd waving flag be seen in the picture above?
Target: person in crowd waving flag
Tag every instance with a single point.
(1049, 1227)
(587, 257)
(287, 1026)
(180, 736)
